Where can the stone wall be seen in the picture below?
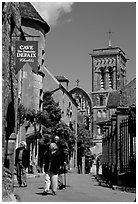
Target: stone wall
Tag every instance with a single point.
(6, 182)
(11, 20)
(10, 33)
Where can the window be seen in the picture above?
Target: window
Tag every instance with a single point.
(101, 100)
(104, 114)
(99, 114)
(83, 104)
(98, 130)
(97, 101)
(102, 78)
(110, 77)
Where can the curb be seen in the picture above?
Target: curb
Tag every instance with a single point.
(123, 188)
(115, 187)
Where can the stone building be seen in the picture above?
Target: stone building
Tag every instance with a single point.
(84, 102)
(84, 106)
(20, 23)
(11, 31)
(67, 104)
(108, 75)
(30, 80)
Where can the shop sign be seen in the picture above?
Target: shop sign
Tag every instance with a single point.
(27, 52)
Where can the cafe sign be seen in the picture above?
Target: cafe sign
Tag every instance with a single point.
(27, 52)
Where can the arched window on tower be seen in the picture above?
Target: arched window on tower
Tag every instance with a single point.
(102, 78)
(98, 130)
(101, 100)
(111, 77)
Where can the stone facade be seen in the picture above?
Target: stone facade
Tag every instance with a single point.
(11, 17)
(108, 75)
(7, 187)
(20, 21)
(29, 82)
(66, 103)
(108, 69)
(62, 96)
(84, 106)
(11, 31)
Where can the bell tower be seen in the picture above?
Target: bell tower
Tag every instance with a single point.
(108, 69)
(108, 75)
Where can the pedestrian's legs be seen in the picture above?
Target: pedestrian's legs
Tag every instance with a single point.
(60, 178)
(19, 174)
(23, 174)
(62, 181)
(47, 182)
(54, 182)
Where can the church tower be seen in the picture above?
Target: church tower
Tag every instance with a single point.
(108, 75)
(108, 69)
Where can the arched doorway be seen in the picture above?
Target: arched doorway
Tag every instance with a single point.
(10, 120)
(9, 129)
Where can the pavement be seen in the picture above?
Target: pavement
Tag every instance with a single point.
(12, 197)
(80, 188)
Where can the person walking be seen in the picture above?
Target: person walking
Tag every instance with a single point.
(21, 163)
(52, 160)
(64, 150)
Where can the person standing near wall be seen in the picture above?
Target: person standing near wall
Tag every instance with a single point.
(21, 163)
(97, 165)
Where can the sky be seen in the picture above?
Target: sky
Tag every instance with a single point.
(76, 28)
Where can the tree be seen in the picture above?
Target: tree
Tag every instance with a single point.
(50, 118)
(66, 134)
(83, 137)
(51, 110)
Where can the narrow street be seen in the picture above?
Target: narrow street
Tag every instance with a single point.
(80, 188)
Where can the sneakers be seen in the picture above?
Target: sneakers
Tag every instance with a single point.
(45, 193)
(53, 193)
(62, 186)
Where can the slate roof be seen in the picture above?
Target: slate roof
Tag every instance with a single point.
(29, 12)
(129, 93)
(125, 97)
(113, 99)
